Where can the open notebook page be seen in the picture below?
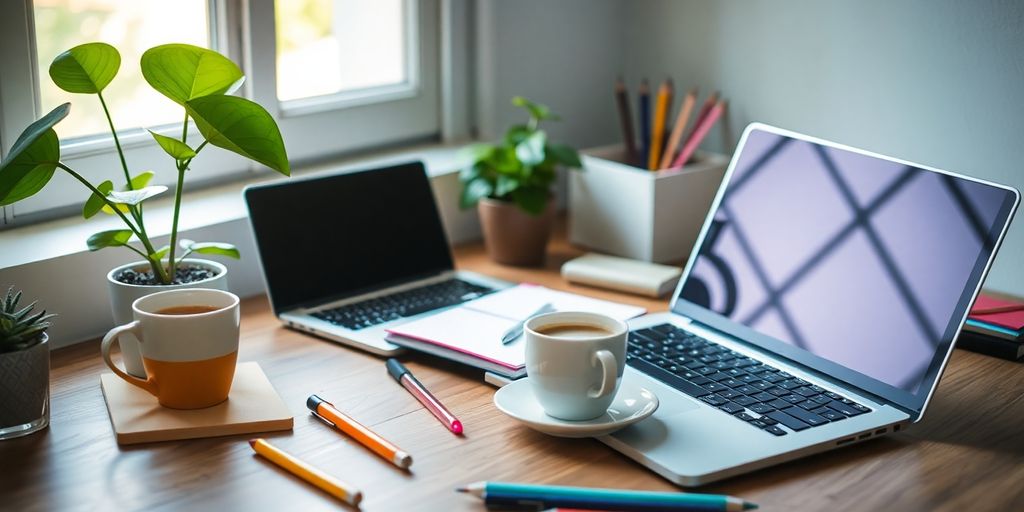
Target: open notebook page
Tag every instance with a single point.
(476, 327)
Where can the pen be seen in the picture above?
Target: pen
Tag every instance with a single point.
(413, 386)
(326, 412)
(625, 120)
(513, 333)
(310, 474)
(539, 496)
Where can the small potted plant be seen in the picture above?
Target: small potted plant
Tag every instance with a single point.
(24, 368)
(201, 82)
(510, 184)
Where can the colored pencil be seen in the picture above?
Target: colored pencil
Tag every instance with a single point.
(644, 93)
(625, 120)
(505, 494)
(327, 413)
(310, 474)
(677, 131)
(662, 107)
(699, 132)
(701, 114)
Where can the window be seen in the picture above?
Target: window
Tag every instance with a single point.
(339, 76)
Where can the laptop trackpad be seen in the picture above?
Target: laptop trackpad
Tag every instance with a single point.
(654, 430)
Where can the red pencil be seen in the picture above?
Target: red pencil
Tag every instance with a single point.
(699, 132)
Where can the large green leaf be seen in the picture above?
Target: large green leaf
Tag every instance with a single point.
(504, 185)
(218, 248)
(142, 179)
(532, 200)
(31, 162)
(531, 150)
(134, 197)
(473, 192)
(565, 155)
(95, 203)
(86, 69)
(537, 110)
(242, 126)
(174, 147)
(183, 72)
(474, 153)
(112, 238)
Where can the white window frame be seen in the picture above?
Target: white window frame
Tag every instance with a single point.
(314, 129)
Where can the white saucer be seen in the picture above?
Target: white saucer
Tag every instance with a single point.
(632, 404)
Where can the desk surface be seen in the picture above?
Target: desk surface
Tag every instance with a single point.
(966, 454)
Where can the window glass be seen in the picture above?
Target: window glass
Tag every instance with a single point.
(330, 46)
(131, 26)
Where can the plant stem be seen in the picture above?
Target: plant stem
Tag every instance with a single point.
(174, 222)
(157, 269)
(117, 142)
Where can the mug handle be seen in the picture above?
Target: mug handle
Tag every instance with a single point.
(135, 328)
(610, 372)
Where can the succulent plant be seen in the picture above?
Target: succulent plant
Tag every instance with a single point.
(20, 329)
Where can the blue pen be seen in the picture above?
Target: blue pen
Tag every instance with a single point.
(644, 93)
(544, 496)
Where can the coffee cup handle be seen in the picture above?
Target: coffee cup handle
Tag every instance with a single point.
(147, 384)
(609, 373)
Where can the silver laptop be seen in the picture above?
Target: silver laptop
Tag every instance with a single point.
(349, 255)
(818, 309)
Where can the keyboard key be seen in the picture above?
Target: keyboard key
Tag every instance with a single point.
(761, 384)
(788, 420)
(790, 383)
(821, 399)
(745, 377)
(714, 386)
(808, 405)
(773, 429)
(714, 399)
(705, 370)
(744, 416)
(833, 396)
(719, 377)
(793, 399)
(698, 380)
(844, 408)
(764, 397)
(829, 414)
(761, 408)
(747, 390)
(773, 378)
(728, 393)
(805, 391)
(732, 383)
(731, 408)
(744, 400)
(779, 404)
(778, 391)
(805, 416)
(767, 420)
(759, 424)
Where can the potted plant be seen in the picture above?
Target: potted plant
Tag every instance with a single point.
(510, 184)
(201, 81)
(24, 368)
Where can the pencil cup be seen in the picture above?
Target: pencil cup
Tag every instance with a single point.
(616, 208)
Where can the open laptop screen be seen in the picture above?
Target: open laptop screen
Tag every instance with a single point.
(330, 237)
(860, 260)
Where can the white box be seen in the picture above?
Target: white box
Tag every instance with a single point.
(619, 209)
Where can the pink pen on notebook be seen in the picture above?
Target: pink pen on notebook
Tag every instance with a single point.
(699, 132)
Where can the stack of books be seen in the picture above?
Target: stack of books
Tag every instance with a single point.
(994, 327)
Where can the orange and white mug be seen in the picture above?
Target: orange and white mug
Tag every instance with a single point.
(189, 344)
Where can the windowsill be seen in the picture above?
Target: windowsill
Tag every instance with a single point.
(205, 207)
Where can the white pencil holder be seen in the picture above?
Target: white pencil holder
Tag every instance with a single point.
(619, 209)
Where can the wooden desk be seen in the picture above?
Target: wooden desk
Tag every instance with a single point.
(968, 453)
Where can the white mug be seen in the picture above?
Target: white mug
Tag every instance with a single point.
(575, 373)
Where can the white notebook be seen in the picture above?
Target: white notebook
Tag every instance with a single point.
(471, 333)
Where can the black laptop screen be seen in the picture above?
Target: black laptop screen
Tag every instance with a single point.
(859, 260)
(340, 235)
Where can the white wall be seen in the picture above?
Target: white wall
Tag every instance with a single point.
(937, 82)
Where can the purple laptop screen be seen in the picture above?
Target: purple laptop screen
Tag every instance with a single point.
(856, 259)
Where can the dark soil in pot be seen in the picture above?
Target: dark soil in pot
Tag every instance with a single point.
(184, 274)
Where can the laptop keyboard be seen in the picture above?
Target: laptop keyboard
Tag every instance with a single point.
(378, 310)
(746, 389)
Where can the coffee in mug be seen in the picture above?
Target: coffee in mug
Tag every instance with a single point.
(575, 362)
(189, 344)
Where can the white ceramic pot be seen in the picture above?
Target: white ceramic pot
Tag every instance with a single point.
(123, 295)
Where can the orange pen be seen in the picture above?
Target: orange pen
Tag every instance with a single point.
(314, 476)
(325, 411)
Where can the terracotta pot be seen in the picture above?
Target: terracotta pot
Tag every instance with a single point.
(122, 295)
(512, 236)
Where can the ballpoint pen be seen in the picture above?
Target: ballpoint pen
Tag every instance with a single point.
(413, 386)
(516, 330)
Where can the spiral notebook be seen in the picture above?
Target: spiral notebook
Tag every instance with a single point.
(471, 333)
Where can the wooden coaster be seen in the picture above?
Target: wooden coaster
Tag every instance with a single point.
(252, 406)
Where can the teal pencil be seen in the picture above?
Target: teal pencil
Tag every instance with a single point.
(513, 494)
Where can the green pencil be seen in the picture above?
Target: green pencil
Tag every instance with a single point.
(513, 494)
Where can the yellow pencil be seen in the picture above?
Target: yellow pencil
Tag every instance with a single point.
(322, 480)
(677, 131)
(658, 128)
